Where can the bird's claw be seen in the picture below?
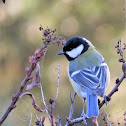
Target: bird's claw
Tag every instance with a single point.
(106, 100)
(84, 118)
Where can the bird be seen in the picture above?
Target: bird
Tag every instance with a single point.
(88, 73)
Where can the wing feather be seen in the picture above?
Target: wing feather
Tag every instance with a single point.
(93, 79)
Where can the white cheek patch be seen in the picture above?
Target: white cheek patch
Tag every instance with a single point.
(76, 51)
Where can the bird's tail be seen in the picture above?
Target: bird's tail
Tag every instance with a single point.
(92, 105)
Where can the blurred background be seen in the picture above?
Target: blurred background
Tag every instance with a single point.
(100, 21)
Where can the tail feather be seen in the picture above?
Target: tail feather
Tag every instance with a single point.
(92, 105)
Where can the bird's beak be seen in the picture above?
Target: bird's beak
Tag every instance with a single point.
(60, 53)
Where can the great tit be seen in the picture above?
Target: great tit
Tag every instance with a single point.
(87, 72)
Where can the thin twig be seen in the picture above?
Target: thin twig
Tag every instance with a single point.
(74, 121)
(43, 120)
(118, 81)
(122, 117)
(72, 103)
(58, 123)
(71, 109)
(33, 101)
(107, 117)
(44, 102)
(51, 115)
(54, 103)
(50, 37)
(16, 97)
(120, 110)
(30, 120)
(115, 89)
(40, 122)
(119, 50)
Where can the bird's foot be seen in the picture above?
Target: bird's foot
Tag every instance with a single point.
(107, 99)
(84, 117)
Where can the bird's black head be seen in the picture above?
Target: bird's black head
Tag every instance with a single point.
(74, 47)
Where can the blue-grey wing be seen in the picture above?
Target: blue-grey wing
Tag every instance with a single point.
(93, 79)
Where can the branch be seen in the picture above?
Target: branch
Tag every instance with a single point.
(58, 123)
(118, 81)
(74, 121)
(57, 87)
(53, 103)
(50, 37)
(44, 102)
(41, 121)
(115, 89)
(33, 101)
(35, 78)
(16, 97)
(69, 121)
(106, 117)
(119, 50)
(72, 103)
